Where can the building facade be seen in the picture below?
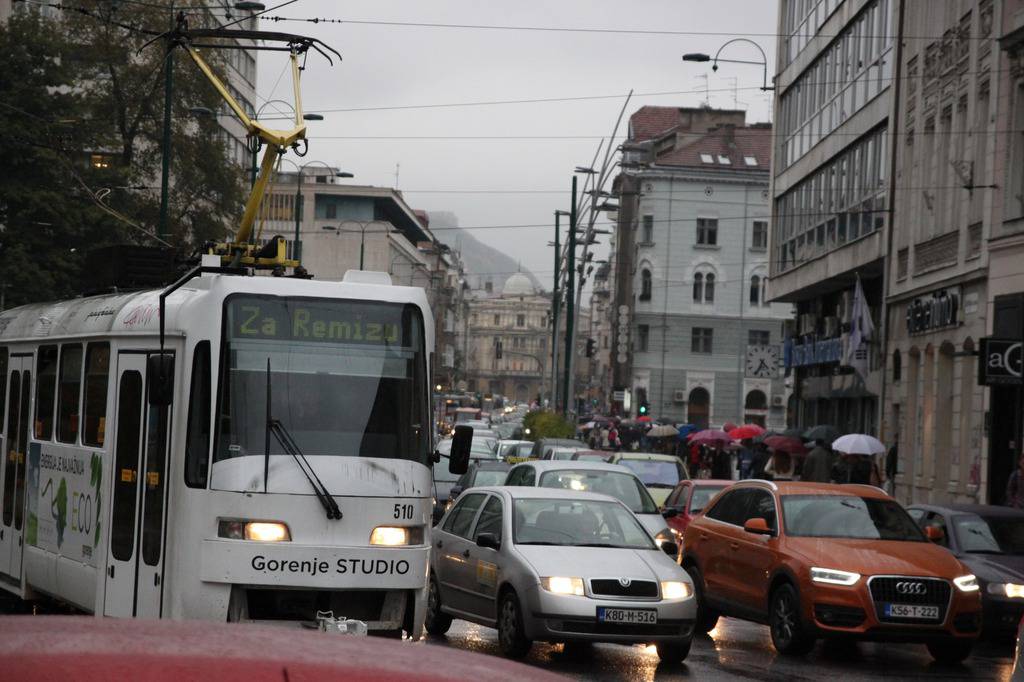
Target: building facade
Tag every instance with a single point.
(692, 239)
(831, 191)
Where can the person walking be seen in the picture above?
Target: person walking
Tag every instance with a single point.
(745, 460)
(781, 467)
(818, 465)
(1015, 486)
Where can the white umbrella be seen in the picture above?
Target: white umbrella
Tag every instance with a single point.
(663, 431)
(858, 444)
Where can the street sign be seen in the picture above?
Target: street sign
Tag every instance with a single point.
(618, 396)
(1001, 362)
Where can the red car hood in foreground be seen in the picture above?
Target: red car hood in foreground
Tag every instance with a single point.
(84, 648)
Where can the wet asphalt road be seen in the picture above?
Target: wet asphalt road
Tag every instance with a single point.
(737, 650)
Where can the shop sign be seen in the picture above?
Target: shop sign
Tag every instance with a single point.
(812, 352)
(937, 310)
(1000, 362)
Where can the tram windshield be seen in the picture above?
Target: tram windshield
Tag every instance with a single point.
(347, 378)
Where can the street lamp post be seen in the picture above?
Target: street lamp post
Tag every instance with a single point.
(297, 243)
(555, 311)
(701, 57)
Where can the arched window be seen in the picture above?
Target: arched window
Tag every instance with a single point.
(709, 288)
(698, 288)
(645, 285)
(755, 290)
(699, 408)
(755, 408)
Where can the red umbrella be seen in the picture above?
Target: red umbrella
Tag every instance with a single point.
(746, 431)
(793, 446)
(644, 418)
(712, 437)
(728, 426)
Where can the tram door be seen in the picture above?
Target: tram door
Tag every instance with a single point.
(137, 513)
(12, 518)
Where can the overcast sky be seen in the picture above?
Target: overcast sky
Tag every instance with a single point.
(400, 66)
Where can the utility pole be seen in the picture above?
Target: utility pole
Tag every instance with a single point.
(555, 315)
(165, 145)
(570, 284)
(297, 244)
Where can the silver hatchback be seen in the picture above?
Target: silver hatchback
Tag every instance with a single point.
(557, 566)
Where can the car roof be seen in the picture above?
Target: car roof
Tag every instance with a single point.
(528, 492)
(811, 488)
(979, 509)
(492, 465)
(564, 464)
(647, 455)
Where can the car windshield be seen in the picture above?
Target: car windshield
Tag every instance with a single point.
(482, 448)
(347, 378)
(653, 472)
(490, 477)
(562, 453)
(622, 486)
(990, 534)
(702, 495)
(578, 523)
(848, 516)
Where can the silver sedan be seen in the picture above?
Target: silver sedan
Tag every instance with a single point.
(557, 566)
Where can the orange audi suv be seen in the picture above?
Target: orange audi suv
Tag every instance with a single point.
(814, 560)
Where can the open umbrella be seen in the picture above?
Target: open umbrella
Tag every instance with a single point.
(858, 444)
(644, 418)
(712, 437)
(793, 446)
(760, 438)
(823, 432)
(746, 431)
(662, 431)
(728, 426)
(685, 430)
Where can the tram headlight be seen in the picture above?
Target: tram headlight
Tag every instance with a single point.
(257, 531)
(393, 536)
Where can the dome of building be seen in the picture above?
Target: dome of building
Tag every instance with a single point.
(518, 285)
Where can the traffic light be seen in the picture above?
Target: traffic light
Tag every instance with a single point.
(643, 409)
(497, 349)
(590, 348)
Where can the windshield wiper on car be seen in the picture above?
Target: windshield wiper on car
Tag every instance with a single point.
(542, 542)
(288, 444)
(603, 544)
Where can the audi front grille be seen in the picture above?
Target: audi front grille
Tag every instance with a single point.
(913, 591)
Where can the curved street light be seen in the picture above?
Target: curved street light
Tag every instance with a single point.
(701, 57)
(297, 248)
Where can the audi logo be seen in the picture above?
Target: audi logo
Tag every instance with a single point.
(911, 588)
(625, 582)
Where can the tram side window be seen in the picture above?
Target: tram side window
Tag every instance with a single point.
(46, 380)
(197, 443)
(68, 393)
(97, 377)
(3, 386)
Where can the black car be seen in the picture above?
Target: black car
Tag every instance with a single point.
(989, 540)
(479, 474)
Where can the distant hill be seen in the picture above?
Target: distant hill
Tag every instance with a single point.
(482, 262)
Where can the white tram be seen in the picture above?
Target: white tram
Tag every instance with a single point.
(273, 463)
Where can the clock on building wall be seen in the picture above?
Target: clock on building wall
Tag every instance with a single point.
(762, 361)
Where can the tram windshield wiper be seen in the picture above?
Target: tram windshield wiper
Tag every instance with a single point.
(284, 438)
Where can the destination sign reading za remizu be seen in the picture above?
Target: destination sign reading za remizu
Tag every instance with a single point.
(309, 321)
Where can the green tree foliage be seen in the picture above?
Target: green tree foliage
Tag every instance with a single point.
(84, 85)
(545, 424)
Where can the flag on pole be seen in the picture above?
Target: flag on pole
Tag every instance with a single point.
(861, 332)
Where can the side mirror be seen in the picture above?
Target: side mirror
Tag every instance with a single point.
(669, 512)
(670, 548)
(757, 527)
(160, 375)
(934, 533)
(488, 540)
(458, 459)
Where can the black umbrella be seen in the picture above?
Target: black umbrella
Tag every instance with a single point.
(823, 432)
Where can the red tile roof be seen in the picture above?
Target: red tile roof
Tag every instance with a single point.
(649, 122)
(733, 143)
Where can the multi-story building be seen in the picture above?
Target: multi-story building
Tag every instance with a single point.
(692, 269)
(943, 210)
(831, 199)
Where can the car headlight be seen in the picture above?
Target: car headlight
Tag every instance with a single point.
(967, 583)
(257, 531)
(392, 536)
(664, 536)
(559, 585)
(1011, 590)
(833, 576)
(673, 589)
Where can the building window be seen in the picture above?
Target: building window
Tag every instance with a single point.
(520, 320)
(759, 240)
(707, 158)
(724, 160)
(648, 232)
(497, 320)
(698, 287)
(645, 285)
(707, 231)
(332, 211)
(758, 337)
(701, 340)
(101, 161)
(709, 288)
(698, 408)
(643, 332)
(755, 290)
(750, 160)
